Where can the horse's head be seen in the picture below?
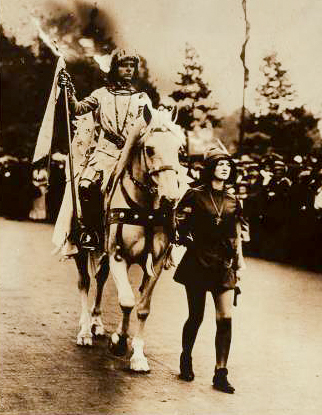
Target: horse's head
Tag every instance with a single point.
(160, 153)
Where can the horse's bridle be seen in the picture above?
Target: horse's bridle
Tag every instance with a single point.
(148, 216)
(150, 186)
(150, 172)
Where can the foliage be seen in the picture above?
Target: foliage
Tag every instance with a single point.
(292, 132)
(276, 92)
(27, 75)
(25, 86)
(193, 96)
(280, 126)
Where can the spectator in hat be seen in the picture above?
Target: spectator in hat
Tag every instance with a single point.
(40, 184)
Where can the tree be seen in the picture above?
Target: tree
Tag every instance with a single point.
(27, 76)
(291, 130)
(94, 25)
(295, 131)
(276, 93)
(25, 85)
(192, 96)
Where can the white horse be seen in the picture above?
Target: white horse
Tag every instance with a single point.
(140, 223)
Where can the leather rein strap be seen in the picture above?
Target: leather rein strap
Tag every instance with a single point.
(135, 214)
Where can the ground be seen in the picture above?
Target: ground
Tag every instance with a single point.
(275, 361)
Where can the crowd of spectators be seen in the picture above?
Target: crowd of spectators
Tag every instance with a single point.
(279, 200)
(280, 203)
(30, 192)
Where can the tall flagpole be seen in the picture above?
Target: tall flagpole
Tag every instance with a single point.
(246, 76)
(70, 158)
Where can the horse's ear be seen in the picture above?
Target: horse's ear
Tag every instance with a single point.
(147, 114)
(174, 114)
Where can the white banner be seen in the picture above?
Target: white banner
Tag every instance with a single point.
(47, 126)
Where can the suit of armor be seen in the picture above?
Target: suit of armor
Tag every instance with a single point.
(114, 109)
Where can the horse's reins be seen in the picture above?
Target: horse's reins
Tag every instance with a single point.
(136, 214)
(152, 172)
(149, 173)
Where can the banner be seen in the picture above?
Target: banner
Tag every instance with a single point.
(45, 135)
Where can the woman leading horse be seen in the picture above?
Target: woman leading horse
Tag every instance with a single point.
(211, 220)
(140, 223)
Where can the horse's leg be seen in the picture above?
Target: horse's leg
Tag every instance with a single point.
(126, 299)
(139, 362)
(97, 325)
(84, 337)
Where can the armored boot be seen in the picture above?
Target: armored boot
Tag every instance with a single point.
(91, 201)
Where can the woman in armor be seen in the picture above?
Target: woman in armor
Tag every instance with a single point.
(115, 108)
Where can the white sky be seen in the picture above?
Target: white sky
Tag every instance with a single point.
(159, 29)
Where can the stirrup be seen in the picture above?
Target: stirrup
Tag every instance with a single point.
(89, 240)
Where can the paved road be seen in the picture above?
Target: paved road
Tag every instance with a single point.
(275, 362)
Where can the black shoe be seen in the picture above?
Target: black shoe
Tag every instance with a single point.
(186, 372)
(89, 240)
(220, 381)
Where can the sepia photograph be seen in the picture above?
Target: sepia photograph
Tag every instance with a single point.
(160, 207)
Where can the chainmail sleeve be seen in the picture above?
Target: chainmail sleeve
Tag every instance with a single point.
(86, 105)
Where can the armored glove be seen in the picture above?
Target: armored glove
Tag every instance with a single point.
(64, 81)
(182, 239)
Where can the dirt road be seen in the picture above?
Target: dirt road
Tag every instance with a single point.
(275, 362)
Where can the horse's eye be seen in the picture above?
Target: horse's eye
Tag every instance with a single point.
(149, 151)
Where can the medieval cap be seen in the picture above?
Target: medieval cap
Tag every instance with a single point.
(215, 153)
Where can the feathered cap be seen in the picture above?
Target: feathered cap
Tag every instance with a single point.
(108, 63)
(215, 153)
(211, 157)
(121, 55)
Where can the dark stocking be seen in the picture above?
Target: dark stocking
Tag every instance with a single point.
(196, 303)
(223, 339)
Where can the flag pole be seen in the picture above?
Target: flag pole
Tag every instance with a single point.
(245, 77)
(70, 160)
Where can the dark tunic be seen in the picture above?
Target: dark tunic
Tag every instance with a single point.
(211, 259)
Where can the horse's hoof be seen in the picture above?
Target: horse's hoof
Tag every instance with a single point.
(84, 340)
(139, 365)
(118, 344)
(97, 326)
(98, 330)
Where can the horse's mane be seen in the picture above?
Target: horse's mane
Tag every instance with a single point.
(161, 122)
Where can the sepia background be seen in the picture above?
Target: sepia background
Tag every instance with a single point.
(254, 81)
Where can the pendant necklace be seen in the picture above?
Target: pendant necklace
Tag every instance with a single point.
(120, 131)
(219, 211)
